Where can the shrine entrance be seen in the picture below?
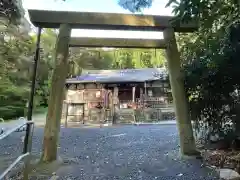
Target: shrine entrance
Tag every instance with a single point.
(66, 21)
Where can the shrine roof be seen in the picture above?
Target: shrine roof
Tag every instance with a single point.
(123, 75)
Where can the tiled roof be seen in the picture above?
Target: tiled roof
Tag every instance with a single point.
(123, 75)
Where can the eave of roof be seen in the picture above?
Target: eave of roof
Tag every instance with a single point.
(117, 76)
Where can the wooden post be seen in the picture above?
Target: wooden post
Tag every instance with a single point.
(141, 93)
(187, 141)
(133, 93)
(145, 89)
(134, 104)
(52, 127)
(65, 106)
(115, 104)
(66, 118)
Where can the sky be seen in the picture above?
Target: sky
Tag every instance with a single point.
(109, 6)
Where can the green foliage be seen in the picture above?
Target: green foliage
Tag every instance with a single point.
(124, 59)
(209, 14)
(135, 5)
(113, 59)
(14, 73)
(11, 10)
(89, 59)
(13, 100)
(16, 55)
(45, 66)
(138, 58)
(210, 62)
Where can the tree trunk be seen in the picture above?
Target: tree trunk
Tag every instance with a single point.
(52, 127)
(187, 141)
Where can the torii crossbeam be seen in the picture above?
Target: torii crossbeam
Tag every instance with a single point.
(117, 42)
(107, 21)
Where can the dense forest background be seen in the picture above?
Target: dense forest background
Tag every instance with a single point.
(16, 59)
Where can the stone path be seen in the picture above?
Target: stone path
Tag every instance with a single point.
(147, 152)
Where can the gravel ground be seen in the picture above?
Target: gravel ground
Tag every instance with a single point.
(147, 152)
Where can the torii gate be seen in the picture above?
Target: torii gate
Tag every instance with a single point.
(66, 21)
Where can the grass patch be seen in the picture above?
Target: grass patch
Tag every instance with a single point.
(36, 111)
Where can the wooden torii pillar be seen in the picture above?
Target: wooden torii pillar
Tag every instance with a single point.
(65, 21)
(57, 91)
(187, 141)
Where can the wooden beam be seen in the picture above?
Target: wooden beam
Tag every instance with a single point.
(117, 43)
(108, 21)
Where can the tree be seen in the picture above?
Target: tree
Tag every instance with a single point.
(11, 11)
(135, 5)
(138, 58)
(124, 59)
(212, 67)
(85, 58)
(15, 53)
(209, 59)
(206, 12)
(45, 67)
(145, 59)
